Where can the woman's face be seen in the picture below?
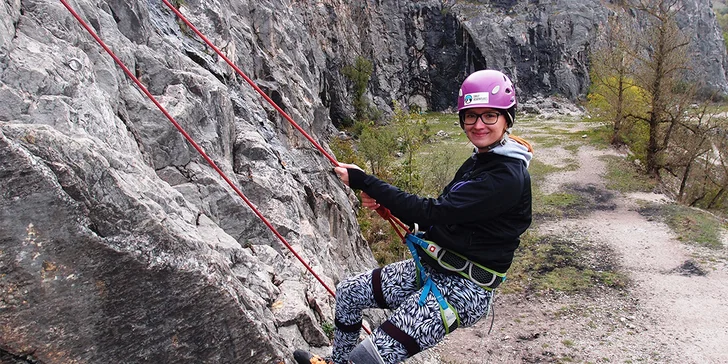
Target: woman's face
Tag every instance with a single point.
(480, 134)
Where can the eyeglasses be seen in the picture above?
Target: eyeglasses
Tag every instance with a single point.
(488, 117)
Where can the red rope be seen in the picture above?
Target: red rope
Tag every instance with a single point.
(382, 211)
(251, 83)
(385, 215)
(195, 145)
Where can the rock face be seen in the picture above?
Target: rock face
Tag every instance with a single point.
(118, 243)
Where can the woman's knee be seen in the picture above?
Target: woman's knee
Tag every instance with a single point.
(354, 289)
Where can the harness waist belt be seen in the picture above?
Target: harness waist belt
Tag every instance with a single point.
(484, 277)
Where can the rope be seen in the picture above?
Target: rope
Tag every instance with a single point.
(251, 83)
(396, 224)
(195, 145)
(382, 211)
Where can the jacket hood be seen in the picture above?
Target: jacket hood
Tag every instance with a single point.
(513, 149)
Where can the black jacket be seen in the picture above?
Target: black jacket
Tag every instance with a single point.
(480, 214)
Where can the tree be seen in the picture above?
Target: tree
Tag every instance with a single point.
(638, 82)
(401, 139)
(377, 146)
(359, 73)
(412, 131)
(719, 175)
(691, 158)
(613, 91)
(661, 59)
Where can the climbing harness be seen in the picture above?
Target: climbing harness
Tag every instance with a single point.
(484, 277)
(450, 317)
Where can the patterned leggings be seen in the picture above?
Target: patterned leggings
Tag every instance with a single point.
(399, 287)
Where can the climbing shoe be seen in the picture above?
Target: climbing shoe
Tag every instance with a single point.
(304, 357)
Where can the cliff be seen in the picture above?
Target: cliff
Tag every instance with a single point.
(118, 243)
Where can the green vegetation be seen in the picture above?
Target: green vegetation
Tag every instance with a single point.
(384, 242)
(328, 329)
(393, 153)
(550, 263)
(597, 137)
(668, 123)
(359, 74)
(624, 176)
(345, 152)
(439, 157)
(376, 145)
(412, 132)
(539, 170)
(691, 225)
(555, 205)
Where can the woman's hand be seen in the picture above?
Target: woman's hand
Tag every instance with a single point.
(368, 202)
(343, 173)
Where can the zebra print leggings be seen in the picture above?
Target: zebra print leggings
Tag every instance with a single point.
(401, 293)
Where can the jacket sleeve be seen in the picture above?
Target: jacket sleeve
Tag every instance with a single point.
(484, 197)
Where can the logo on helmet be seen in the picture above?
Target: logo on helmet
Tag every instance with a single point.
(477, 98)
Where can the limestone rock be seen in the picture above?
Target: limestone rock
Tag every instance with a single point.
(118, 243)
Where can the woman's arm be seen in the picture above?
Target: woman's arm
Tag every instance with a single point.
(472, 200)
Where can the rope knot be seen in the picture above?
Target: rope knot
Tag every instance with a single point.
(384, 213)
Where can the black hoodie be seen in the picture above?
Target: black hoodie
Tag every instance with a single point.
(480, 214)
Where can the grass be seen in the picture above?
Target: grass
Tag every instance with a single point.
(595, 134)
(550, 205)
(439, 159)
(328, 329)
(552, 263)
(539, 170)
(555, 205)
(597, 137)
(624, 176)
(692, 226)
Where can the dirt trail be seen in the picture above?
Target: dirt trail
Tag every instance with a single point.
(667, 314)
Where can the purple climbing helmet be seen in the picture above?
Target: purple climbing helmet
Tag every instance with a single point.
(488, 88)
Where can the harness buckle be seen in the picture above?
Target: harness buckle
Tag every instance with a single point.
(449, 318)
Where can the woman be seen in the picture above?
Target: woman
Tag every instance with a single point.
(470, 234)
